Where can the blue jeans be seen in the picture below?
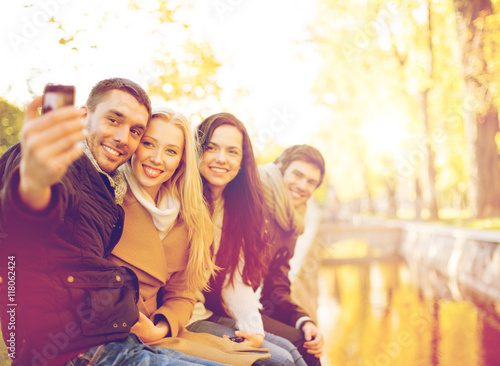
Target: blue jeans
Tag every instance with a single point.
(279, 348)
(287, 345)
(133, 352)
(294, 336)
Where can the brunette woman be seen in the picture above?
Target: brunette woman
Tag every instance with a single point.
(232, 189)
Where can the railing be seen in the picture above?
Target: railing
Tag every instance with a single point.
(467, 260)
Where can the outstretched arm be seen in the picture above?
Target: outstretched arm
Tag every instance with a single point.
(49, 146)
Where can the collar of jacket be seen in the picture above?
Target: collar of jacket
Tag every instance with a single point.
(140, 240)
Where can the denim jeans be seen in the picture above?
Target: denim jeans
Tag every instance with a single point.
(133, 352)
(279, 348)
(287, 345)
(293, 335)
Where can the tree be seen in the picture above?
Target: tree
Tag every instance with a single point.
(189, 80)
(422, 46)
(184, 70)
(11, 120)
(394, 62)
(480, 112)
(365, 87)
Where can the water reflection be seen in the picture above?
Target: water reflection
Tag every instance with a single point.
(396, 313)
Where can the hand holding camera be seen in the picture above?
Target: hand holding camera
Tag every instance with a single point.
(49, 144)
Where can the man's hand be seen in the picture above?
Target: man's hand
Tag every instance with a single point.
(148, 331)
(49, 147)
(251, 339)
(314, 339)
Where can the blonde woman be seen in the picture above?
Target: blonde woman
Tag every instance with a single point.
(166, 238)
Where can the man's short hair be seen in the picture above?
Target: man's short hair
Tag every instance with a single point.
(305, 153)
(126, 85)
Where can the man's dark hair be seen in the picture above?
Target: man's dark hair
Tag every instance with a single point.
(128, 86)
(305, 153)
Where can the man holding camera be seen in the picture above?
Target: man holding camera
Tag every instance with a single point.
(59, 219)
(288, 183)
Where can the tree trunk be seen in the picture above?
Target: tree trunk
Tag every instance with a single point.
(367, 203)
(471, 131)
(418, 200)
(480, 115)
(431, 169)
(488, 198)
(392, 208)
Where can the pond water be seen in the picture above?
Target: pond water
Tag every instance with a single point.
(393, 312)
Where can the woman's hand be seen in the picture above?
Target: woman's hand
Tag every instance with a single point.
(149, 332)
(251, 339)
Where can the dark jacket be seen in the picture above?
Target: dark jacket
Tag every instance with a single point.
(275, 296)
(63, 296)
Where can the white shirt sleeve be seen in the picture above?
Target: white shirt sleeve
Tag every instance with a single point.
(300, 322)
(242, 303)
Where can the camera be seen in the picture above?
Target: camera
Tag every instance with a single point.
(57, 96)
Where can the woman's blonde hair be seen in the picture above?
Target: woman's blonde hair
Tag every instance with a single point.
(186, 185)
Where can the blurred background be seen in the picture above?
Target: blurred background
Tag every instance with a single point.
(401, 97)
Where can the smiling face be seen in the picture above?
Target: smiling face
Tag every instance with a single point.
(300, 180)
(221, 160)
(115, 128)
(158, 155)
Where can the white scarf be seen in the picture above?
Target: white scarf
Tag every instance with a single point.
(164, 213)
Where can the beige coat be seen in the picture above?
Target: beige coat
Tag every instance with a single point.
(159, 266)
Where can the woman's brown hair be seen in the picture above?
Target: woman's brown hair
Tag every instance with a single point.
(244, 216)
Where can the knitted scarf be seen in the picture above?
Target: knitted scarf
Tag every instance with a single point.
(116, 179)
(278, 202)
(164, 212)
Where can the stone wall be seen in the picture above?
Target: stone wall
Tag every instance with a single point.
(468, 259)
